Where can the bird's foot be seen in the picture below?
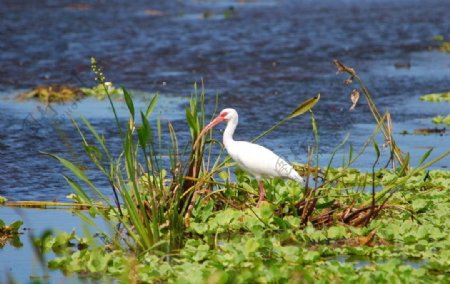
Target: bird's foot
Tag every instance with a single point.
(261, 199)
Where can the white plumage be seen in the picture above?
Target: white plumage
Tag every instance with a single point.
(255, 159)
(260, 162)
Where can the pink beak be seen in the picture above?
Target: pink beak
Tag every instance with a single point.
(213, 123)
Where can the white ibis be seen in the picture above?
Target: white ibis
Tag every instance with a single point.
(255, 159)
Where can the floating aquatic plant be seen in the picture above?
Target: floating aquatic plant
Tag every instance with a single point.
(102, 91)
(10, 233)
(436, 97)
(53, 94)
(442, 120)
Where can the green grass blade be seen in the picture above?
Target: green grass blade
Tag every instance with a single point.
(151, 105)
(129, 102)
(79, 174)
(99, 139)
(78, 190)
(192, 123)
(377, 149)
(425, 156)
(159, 129)
(144, 132)
(405, 165)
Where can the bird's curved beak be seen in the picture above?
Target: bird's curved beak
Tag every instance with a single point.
(213, 123)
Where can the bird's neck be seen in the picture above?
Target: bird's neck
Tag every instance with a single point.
(229, 131)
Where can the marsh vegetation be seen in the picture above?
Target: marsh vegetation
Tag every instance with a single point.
(178, 208)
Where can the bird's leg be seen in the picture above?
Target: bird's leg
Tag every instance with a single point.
(262, 193)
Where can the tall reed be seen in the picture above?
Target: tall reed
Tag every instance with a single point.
(149, 202)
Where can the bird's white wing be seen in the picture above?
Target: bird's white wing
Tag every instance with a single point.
(261, 162)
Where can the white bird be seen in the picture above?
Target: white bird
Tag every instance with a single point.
(255, 159)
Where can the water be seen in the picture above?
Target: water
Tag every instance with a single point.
(22, 263)
(263, 61)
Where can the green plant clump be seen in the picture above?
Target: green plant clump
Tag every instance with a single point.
(407, 243)
(176, 215)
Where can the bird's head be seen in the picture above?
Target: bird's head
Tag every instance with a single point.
(228, 114)
(225, 115)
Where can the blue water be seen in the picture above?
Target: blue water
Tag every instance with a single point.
(22, 263)
(263, 61)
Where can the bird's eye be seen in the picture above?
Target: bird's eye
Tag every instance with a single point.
(223, 114)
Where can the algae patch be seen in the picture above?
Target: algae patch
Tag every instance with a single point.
(54, 93)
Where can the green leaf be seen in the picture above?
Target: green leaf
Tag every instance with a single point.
(265, 212)
(336, 232)
(305, 106)
(16, 225)
(144, 132)
(99, 138)
(377, 149)
(201, 252)
(251, 246)
(73, 168)
(129, 102)
(419, 204)
(224, 175)
(199, 228)
(192, 122)
(314, 127)
(425, 156)
(151, 105)
(405, 165)
(350, 152)
(79, 174)
(311, 256)
(159, 130)
(78, 190)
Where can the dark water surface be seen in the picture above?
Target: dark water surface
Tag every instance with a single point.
(263, 60)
